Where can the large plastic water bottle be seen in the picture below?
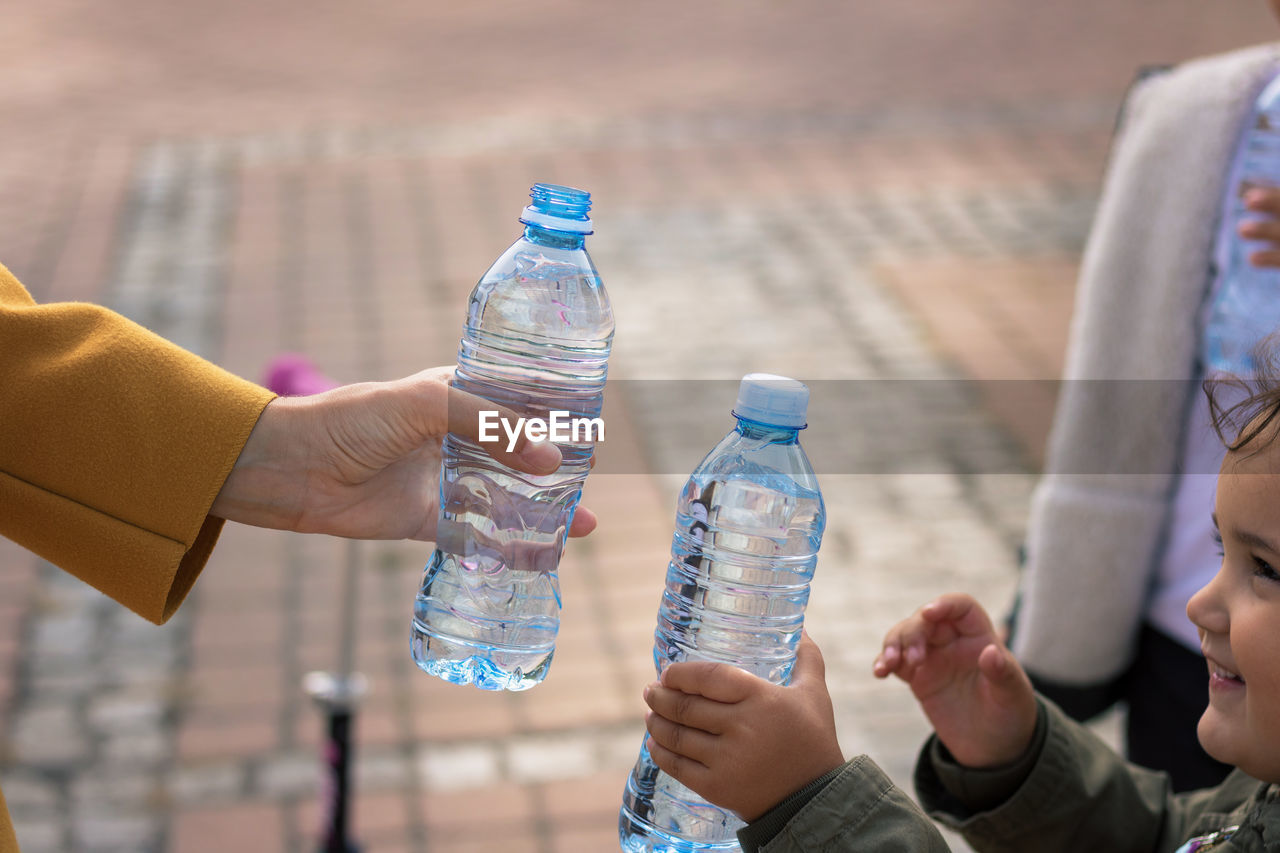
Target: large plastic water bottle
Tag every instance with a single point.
(1246, 306)
(537, 338)
(748, 526)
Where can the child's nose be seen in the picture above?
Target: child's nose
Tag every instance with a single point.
(1205, 607)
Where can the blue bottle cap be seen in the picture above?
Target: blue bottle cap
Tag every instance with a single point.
(773, 400)
(558, 208)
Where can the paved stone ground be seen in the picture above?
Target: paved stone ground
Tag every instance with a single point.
(729, 246)
(806, 194)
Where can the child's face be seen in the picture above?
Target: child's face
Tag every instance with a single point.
(1238, 614)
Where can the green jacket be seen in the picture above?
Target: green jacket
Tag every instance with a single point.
(1070, 792)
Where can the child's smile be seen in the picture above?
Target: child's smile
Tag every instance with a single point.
(1238, 614)
(1221, 678)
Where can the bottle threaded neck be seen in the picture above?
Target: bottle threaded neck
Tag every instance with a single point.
(558, 208)
(561, 201)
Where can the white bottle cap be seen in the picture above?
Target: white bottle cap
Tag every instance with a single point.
(773, 400)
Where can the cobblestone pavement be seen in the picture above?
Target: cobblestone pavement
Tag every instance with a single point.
(728, 246)
(913, 262)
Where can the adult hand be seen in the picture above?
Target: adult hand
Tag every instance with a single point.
(363, 460)
(1264, 200)
(741, 742)
(979, 700)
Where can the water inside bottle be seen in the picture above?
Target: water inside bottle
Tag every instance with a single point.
(660, 815)
(743, 555)
(749, 523)
(536, 341)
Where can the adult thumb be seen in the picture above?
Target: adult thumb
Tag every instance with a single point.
(497, 430)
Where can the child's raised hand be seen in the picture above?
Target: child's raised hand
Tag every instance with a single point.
(741, 742)
(1264, 200)
(975, 694)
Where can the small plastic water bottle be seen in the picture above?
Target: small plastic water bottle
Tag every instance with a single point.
(748, 526)
(1246, 307)
(538, 332)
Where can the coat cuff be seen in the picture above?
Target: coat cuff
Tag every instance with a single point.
(965, 791)
(763, 829)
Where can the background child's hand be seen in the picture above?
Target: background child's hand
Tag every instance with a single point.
(975, 694)
(741, 742)
(1263, 200)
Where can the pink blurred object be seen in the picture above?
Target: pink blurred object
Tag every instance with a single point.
(293, 375)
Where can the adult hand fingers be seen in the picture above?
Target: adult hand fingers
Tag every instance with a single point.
(482, 422)
(1260, 229)
(1265, 258)
(584, 521)
(1263, 200)
(463, 419)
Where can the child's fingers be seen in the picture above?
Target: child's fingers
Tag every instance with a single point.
(890, 657)
(886, 662)
(687, 709)
(899, 657)
(686, 771)
(717, 681)
(935, 624)
(1002, 671)
(952, 607)
(903, 648)
(906, 644)
(960, 613)
(680, 740)
(809, 665)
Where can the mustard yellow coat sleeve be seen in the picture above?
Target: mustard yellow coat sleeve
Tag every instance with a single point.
(8, 842)
(113, 445)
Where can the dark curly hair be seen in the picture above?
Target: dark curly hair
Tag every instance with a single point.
(1239, 423)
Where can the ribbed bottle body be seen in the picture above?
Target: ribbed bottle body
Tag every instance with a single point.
(749, 523)
(537, 339)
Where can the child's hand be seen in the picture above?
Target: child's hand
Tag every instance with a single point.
(975, 694)
(1263, 200)
(741, 742)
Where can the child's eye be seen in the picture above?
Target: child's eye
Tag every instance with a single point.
(1217, 540)
(1263, 569)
